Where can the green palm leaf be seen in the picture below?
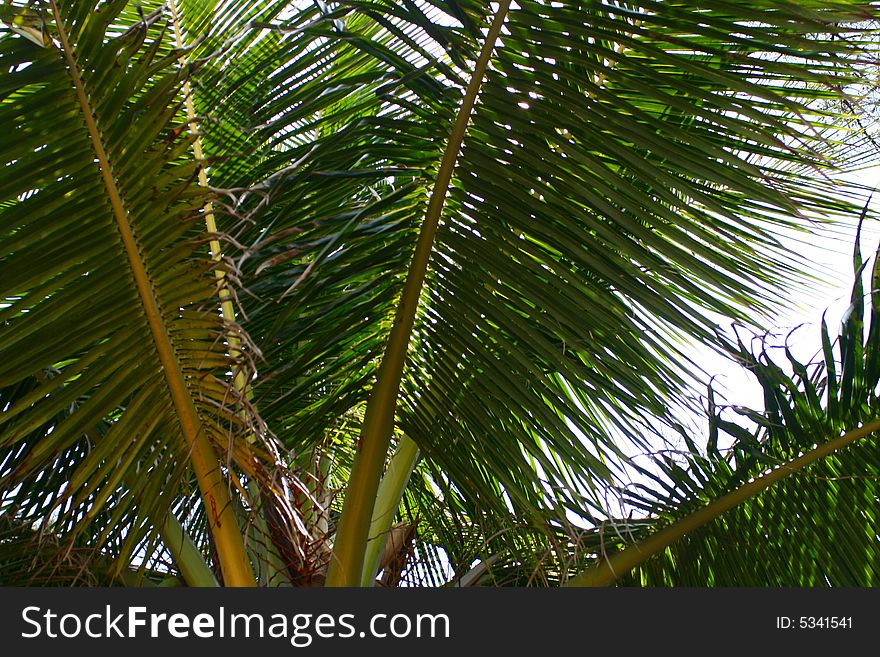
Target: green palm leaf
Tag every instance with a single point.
(109, 297)
(792, 502)
(594, 218)
(620, 182)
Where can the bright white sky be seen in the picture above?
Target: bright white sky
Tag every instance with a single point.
(831, 252)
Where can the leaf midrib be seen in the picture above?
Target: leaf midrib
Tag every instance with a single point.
(233, 559)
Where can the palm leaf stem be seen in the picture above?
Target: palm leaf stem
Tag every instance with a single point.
(347, 561)
(609, 570)
(226, 308)
(224, 528)
(264, 554)
(388, 498)
(189, 561)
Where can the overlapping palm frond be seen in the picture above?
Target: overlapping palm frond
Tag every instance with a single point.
(335, 172)
(624, 170)
(816, 525)
(582, 222)
(620, 181)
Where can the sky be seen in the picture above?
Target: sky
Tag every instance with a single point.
(830, 250)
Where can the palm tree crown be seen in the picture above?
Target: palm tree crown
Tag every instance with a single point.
(256, 255)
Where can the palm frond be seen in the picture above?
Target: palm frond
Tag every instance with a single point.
(595, 218)
(800, 478)
(108, 315)
(622, 182)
